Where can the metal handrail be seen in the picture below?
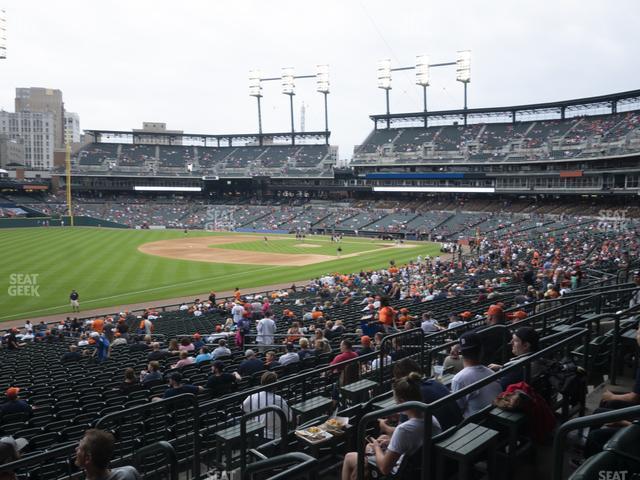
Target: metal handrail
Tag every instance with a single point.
(560, 440)
(306, 462)
(243, 432)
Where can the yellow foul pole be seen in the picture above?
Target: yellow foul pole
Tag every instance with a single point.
(68, 168)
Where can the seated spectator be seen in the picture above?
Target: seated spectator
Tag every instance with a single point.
(449, 414)
(156, 354)
(250, 365)
(386, 452)
(293, 333)
(614, 401)
(365, 342)
(264, 398)
(152, 374)
(118, 340)
(10, 449)
(346, 353)
(185, 360)
(186, 345)
(141, 346)
(221, 350)
(386, 358)
(204, 355)
(173, 346)
(473, 371)
(93, 455)
(319, 337)
(221, 382)
(176, 387)
(429, 324)
(271, 361)
(304, 350)
(524, 343)
(130, 383)
(290, 357)
(453, 362)
(197, 342)
(13, 404)
(73, 355)
(83, 341)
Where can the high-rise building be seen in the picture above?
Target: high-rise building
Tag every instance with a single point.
(71, 127)
(35, 132)
(44, 100)
(11, 151)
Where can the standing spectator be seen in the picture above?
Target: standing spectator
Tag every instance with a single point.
(74, 298)
(386, 315)
(103, 347)
(266, 328)
(237, 312)
(93, 455)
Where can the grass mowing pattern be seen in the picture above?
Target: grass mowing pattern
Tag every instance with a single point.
(107, 269)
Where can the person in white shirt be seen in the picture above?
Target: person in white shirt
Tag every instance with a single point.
(290, 357)
(266, 328)
(237, 311)
(387, 451)
(429, 324)
(473, 371)
(266, 398)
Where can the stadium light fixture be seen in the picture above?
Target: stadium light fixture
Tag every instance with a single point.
(289, 88)
(322, 78)
(3, 34)
(384, 82)
(463, 73)
(422, 70)
(255, 90)
(288, 81)
(422, 79)
(322, 86)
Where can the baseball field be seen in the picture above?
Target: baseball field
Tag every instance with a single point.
(112, 267)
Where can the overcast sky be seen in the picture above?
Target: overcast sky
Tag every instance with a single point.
(186, 63)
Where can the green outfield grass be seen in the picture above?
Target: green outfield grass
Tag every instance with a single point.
(106, 268)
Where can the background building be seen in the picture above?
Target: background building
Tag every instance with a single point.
(35, 132)
(44, 100)
(11, 151)
(165, 138)
(71, 127)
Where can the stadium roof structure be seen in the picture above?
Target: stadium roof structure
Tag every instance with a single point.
(560, 110)
(217, 140)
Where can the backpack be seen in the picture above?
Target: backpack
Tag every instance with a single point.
(563, 377)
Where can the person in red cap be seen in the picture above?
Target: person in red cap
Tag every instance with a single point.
(13, 403)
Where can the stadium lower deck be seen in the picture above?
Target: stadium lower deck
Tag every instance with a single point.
(575, 287)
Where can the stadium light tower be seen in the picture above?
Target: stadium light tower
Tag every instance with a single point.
(322, 86)
(463, 73)
(289, 88)
(255, 90)
(384, 81)
(422, 79)
(3, 34)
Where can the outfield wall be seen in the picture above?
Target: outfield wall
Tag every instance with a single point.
(80, 221)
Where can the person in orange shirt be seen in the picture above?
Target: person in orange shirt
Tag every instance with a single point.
(237, 294)
(386, 315)
(316, 314)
